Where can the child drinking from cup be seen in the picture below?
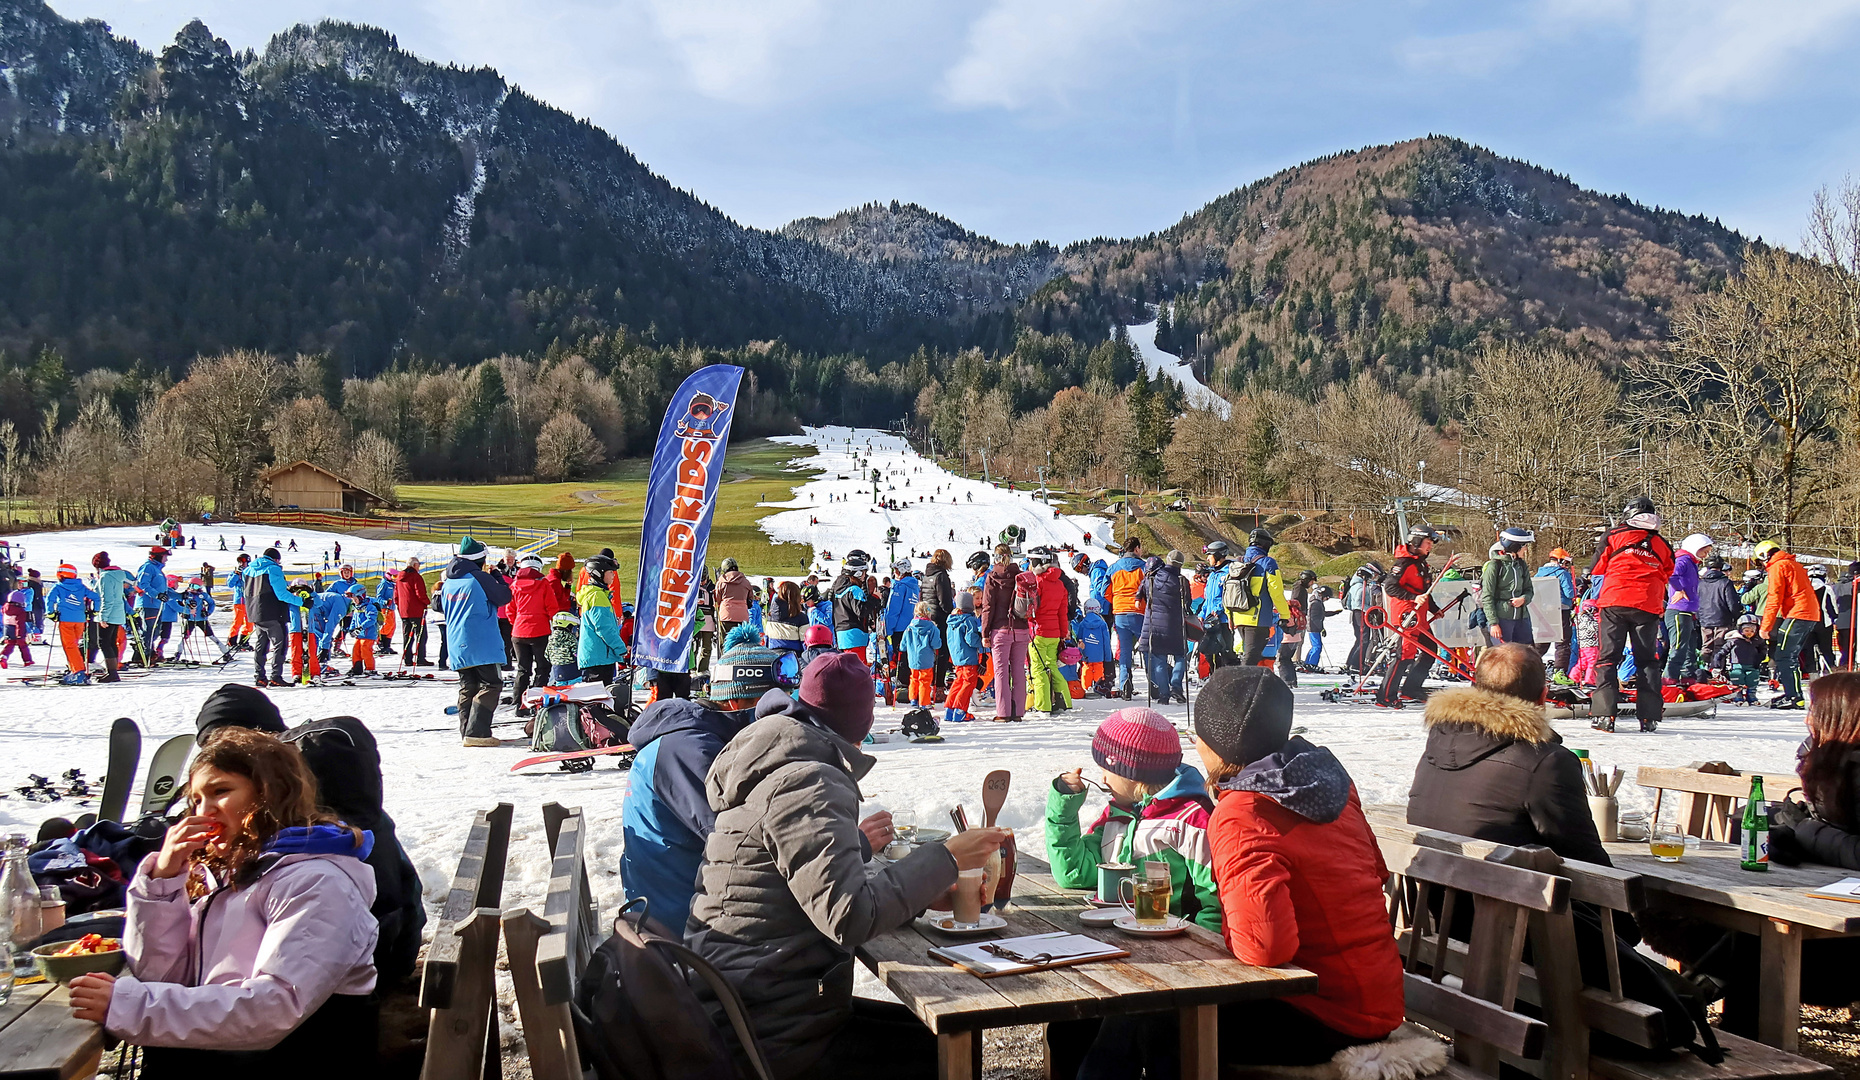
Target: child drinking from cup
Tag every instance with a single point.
(248, 935)
(1159, 812)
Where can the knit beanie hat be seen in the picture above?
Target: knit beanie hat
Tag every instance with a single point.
(471, 549)
(1175, 558)
(1243, 713)
(101, 560)
(818, 634)
(838, 686)
(237, 705)
(965, 601)
(272, 553)
(1138, 743)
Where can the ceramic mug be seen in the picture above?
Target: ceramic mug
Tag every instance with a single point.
(1111, 876)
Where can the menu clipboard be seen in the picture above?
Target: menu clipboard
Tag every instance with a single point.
(1067, 949)
(1846, 889)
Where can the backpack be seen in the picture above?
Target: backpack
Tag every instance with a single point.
(1236, 593)
(1026, 595)
(637, 1016)
(568, 726)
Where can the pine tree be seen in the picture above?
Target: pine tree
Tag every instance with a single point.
(1165, 334)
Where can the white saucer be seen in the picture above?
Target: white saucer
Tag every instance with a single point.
(1094, 901)
(943, 923)
(1129, 925)
(1101, 916)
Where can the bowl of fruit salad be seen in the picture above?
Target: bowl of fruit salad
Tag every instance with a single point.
(65, 960)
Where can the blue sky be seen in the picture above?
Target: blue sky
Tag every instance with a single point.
(1066, 119)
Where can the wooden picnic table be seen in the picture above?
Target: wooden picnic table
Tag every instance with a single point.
(1192, 973)
(41, 1040)
(1774, 905)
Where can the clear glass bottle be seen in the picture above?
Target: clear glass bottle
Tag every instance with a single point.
(19, 900)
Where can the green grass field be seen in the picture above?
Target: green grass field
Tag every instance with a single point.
(606, 512)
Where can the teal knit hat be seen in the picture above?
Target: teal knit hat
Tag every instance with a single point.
(471, 549)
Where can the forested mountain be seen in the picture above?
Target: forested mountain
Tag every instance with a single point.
(1397, 258)
(336, 195)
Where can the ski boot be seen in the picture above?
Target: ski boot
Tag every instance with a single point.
(1603, 723)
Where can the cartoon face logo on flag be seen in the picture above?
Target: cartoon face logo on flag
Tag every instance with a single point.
(681, 496)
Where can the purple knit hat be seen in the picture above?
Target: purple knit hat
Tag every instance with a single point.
(838, 686)
(1138, 743)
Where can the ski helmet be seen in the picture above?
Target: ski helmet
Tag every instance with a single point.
(1260, 539)
(1215, 549)
(1371, 569)
(1040, 556)
(1816, 570)
(1640, 513)
(1746, 620)
(1765, 550)
(977, 562)
(901, 567)
(857, 560)
(1514, 538)
(1714, 562)
(1752, 575)
(1081, 563)
(1418, 533)
(1307, 575)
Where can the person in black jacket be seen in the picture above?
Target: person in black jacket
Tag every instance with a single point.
(1496, 770)
(941, 593)
(1719, 606)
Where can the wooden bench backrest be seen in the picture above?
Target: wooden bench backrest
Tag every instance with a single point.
(1708, 800)
(459, 979)
(548, 954)
(1476, 1005)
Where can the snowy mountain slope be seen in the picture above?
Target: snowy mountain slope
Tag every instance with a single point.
(1157, 362)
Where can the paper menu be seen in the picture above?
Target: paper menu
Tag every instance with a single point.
(1845, 889)
(1062, 948)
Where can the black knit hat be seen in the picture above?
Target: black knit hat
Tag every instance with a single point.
(1243, 713)
(238, 705)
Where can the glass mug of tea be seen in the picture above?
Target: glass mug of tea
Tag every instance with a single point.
(1666, 842)
(1150, 895)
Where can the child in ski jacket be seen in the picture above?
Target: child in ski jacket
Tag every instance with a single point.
(600, 647)
(921, 641)
(965, 655)
(1744, 656)
(564, 648)
(365, 630)
(16, 612)
(1094, 636)
(250, 931)
(70, 603)
(1159, 811)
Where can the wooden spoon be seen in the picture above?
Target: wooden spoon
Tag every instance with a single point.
(994, 795)
(999, 877)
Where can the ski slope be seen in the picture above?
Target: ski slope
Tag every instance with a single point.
(433, 785)
(128, 546)
(1157, 362)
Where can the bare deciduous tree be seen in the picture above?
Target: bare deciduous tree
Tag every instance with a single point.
(377, 465)
(307, 429)
(566, 448)
(224, 405)
(1371, 442)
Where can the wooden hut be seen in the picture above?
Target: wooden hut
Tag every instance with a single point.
(309, 486)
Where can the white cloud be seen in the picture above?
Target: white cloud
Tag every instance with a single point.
(732, 49)
(1471, 55)
(1696, 54)
(1040, 53)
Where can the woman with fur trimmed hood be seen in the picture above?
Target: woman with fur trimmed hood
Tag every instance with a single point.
(1495, 769)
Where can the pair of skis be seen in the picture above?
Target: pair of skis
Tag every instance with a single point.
(163, 782)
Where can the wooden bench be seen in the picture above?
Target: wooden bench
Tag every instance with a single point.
(459, 981)
(1711, 795)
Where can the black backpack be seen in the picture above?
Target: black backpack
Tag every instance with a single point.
(637, 1016)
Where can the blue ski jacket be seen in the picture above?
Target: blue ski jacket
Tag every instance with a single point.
(236, 582)
(69, 599)
(170, 606)
(601, 641)
(667, 816)
(327, 610)
(384, 592)
(1094, 638)
(197, 606)
(112, 584)
(348, 585)
(152, 579)
(901, 608)
(1101, 583)
(470, 598)
(965, 639)
(366, 625)
(921, 641)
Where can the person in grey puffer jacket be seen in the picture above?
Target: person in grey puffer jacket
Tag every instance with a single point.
(784, 895)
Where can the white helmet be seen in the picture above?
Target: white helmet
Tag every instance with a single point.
(1695, 543)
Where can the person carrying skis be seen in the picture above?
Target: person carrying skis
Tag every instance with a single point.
(1405, 601)
(239, 637)
(197, 607)
(71, 603)
(1791, 611)
(152, 581)
(1634, 566)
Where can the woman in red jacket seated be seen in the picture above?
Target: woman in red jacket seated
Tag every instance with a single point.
(1300, 877)
(1300, 880)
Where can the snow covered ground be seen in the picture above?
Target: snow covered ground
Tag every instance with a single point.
(434, 785)
(1157, 362)
(128, 546)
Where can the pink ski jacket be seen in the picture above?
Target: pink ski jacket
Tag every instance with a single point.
(241, 969)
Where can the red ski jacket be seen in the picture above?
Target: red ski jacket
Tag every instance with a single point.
(1634, 565)
(535, 597)
(1049, 618)
(1408, 580)
(410, 596)
(1296, 891)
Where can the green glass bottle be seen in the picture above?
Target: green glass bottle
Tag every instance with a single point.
(1756, 829)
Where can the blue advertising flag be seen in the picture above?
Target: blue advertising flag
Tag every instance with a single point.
(687, 464)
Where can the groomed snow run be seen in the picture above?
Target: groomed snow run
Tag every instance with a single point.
(434, 785)
(1157, 362)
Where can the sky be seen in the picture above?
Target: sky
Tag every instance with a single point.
(1063, 120)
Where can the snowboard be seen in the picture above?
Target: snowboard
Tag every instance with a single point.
(573, 755)
(164, 777)
(125, 754)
